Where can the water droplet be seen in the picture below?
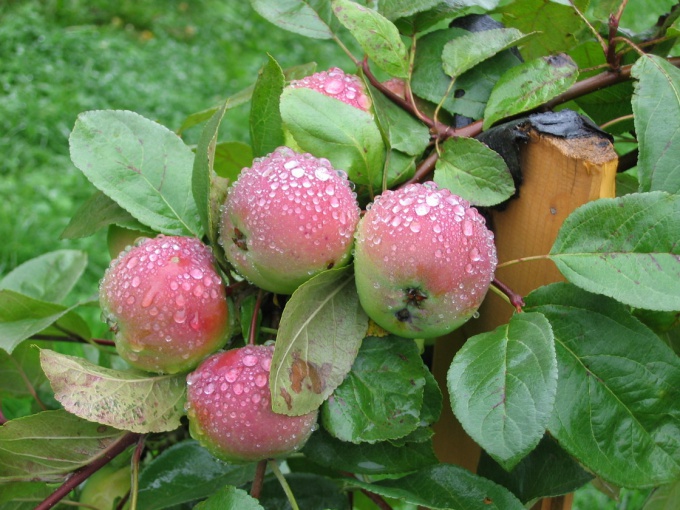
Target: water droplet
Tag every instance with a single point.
(415, 227)
(136, 281)
(474, 255)
(468, 268)
(266, 363)
(250, 360)
(180, 316)
(232, 374)
(297, 172)
(467, 228)
(209, 389)
(195, 323)
(148, 298)
(261, 380)
(179, 300)
(256, 398)
(238, 388)
(196, 273)
(422, 209)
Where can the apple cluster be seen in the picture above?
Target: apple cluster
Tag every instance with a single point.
(423, 261)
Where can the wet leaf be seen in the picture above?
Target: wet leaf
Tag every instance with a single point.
(310, 18)
(312, 492)
(370, 459)
(266, 130)
(48, 277)
(465, 52)
(187, 472)
(666, 497)
(469, 169)
(601, 249)
(230, 497)
(321, 330)
(529, 85)
(617, 408)
(129, 401)
(382, 396)
(377, 35)
(445, 486)
(231, 158)
(48, 445)
(656, 105)
(329, 128)
(141, 165)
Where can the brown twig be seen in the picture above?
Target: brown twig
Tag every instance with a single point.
(258, 481)
(515, 299)
(82, 474)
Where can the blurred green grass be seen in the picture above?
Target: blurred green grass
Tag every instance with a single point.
(163, 59)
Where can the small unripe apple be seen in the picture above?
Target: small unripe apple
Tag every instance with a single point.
(105, 488)
(348, 88)
(229, 408)
(166, 304)
(424, 261)
(288, 217)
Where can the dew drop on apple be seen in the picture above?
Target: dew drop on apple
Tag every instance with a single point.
(249, 360)
(467, 228)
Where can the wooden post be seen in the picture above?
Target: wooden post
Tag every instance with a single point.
(559, 175)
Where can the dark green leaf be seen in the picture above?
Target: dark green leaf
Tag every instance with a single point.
(203, 177)
(231, 158)
(463, 53)
(400, 167)
(377, 35)
(369, 459)
(529, 85)
(403, 132)
(230, 497)
(617, 408)
(187, 472)
(432, 400)
(626, 248)
(266, 130)
(129, 401)
(20, 372)
(19, 492)
(312, 492)
(382, 396)
(558, 25)
(656, 104)
(97, 212)
(141, 165)
(469, 169)
(445, 487)
(47, 445)
(329, 128)
(546, 472)
(48, 277)
(320, 333)
(22, 317)
(502, 386)
(310, 18)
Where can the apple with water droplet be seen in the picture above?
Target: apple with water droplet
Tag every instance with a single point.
(229, 408)
(287, 218)
(424, 260)
(166, 304)
(337, 84)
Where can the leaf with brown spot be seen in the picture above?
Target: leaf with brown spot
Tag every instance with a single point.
(321, 330)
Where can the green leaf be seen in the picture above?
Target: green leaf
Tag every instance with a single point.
(656, 105)
(444, 487)
(312, 492)
(320, 333)
(547, 471)
(465, 52)
(403, 132)
(558, 26)
(617, 408)
(382, 396)
(432, 400)
(329, 128)
(529, 85)
(141, 165)
(472, 89)
(369, 459)
(129, 401)
(22, 317)
(98, 212)
(396, 9)
(666, 497)
(48, 277)
(377, 35)
(203, 178)
(230, 497)
(20, 372)
(24, 493)
(187, 472)
(469, 169)
(626, 248)
(48, 445)
(266, 130)
(310, 18)
(502, 386)
(231, 158)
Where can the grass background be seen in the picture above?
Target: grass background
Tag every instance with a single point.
(163, 59)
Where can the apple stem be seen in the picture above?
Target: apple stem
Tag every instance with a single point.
(82, 474)
(284, 484)
(253, 320)
(515, 299)
(256, 488)
(136, 457)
